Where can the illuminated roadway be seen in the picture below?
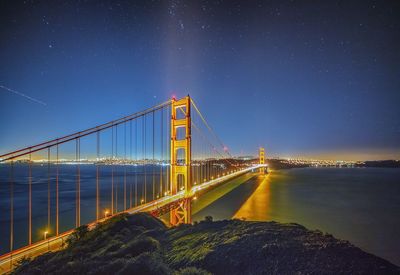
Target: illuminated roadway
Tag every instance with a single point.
(55, 243)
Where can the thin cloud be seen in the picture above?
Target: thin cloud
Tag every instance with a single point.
(24, 95)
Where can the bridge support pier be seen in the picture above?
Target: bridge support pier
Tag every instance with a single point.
(180, 177)
(182, 214)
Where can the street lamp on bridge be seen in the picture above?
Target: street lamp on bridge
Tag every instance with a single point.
(106, 212)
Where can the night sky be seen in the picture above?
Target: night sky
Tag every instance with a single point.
(302, 78)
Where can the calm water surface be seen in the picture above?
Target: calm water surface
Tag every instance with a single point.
(361, 205)
(130, 179)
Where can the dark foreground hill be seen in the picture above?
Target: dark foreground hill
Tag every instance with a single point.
(141, 244)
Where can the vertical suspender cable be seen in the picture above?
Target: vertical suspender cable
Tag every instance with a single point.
(130, 164)
(48, 189)
(169, 149)
(30, 201)
(116, 158)
(125, 163)
(112, 170)
(161, 152)
(145, 161)
(136, 162)
(57, 203)
(97, 176)
(203, 164)
(12, 207)
(78, 183)
(153, 167)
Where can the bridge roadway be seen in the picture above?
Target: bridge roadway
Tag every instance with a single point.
(54, 243)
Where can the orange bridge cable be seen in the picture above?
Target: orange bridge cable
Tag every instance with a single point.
(53, 142)
(208, 126)
(161, 152)
(136, 160)
(57, 202)
(112, 171)
(153, 168)
(116, 179)
(12, 207)
(78, 204)
(76, 184)
(204, 136)
(130, 166)
(97, 177)
(168, 150)
(145, 160)
(209, 142)
(125, 166)
(30, 202)
(79, 212)
(48, 189)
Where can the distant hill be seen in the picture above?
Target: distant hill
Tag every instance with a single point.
(381, 163)
(276, 164)
(141, 244)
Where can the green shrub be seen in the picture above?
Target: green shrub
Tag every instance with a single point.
(78, 234)
(145, 263)
(192, 271)
(138, 246)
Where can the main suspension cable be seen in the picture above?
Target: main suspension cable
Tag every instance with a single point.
(209, 127)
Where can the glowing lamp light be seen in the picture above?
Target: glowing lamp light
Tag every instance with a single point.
(45, 234)
(142, 201)
(106, 212)
(195, 198)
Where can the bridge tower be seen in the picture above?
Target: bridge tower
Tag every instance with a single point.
(180, 176)
(262, 159)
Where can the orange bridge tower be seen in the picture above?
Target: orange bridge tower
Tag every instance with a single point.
(262, 159)
(180, 177)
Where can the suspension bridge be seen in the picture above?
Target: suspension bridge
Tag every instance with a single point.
(155, 161)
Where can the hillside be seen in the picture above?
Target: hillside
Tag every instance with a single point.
(141, 244)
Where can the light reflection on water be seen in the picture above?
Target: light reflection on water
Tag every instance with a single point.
(257, 206)
(361, 205)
